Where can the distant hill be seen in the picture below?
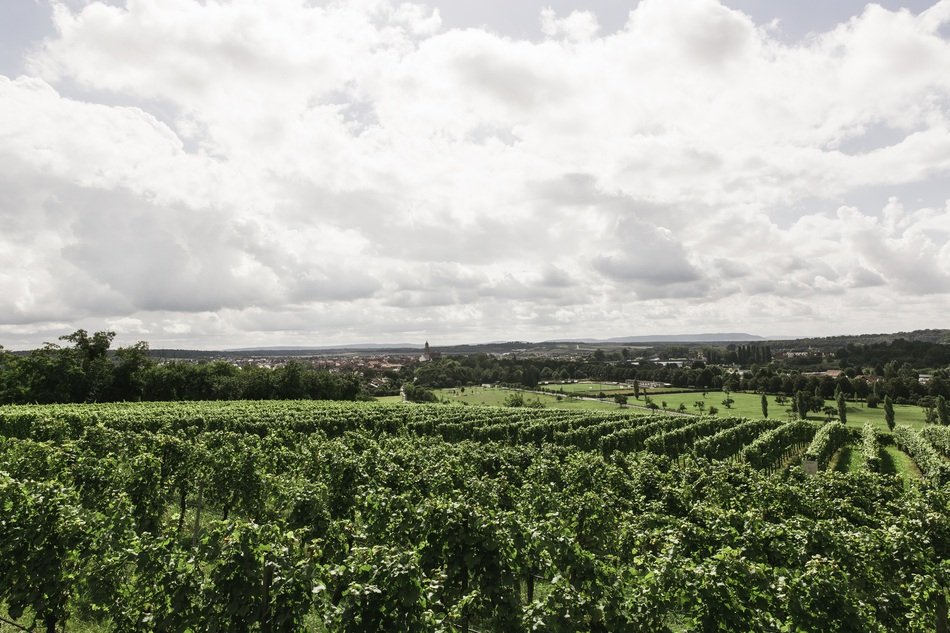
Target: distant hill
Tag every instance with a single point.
(322, 348)
(834, 342)
(729, 337)
(563, 347)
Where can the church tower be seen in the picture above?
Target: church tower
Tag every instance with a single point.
(426, 354)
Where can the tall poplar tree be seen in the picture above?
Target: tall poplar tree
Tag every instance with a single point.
(801, 404)
(889, 412)
(842, 408)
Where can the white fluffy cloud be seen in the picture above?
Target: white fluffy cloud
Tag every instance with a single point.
(239, 172)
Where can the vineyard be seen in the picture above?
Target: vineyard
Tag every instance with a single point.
(321, 516)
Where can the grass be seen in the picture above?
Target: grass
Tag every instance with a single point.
(495, 397)
(76, 623)
(848, 460)
(908, 414)
(748, 405)
(590, 388)
(894, 460)
(609, 388)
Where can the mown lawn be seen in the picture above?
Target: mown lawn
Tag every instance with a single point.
(748, 405)
(609, 388)
(495, 396)
(894, 460)
(589, 388)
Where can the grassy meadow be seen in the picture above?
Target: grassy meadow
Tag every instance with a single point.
(748, 405)
(593, 388)
(495, 397)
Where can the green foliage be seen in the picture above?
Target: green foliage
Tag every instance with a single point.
(677, 440)
(380, 588)
(842, 408)
(415, 393)
(514, 399)
(939, 438)
(802, 404)
(731, 439)
(43, 542)
(84, 371)
(931, 464)
(772, 446)
(828, 439)
(362, 517)
(870, 449)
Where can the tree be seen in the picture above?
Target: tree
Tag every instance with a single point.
(530, 376)
(842, 408)
(416, 393)
(943, 416)
(889, 412)
(129, 374)
(801, 404)
(620, 400)
(91, 352)
(765, 406)
(929, 405)
(515, 399)
(636, 389)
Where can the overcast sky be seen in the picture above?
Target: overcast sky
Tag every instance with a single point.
(223, 173)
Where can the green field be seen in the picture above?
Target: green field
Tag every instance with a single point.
(589, 388)
(608, 388)
(495, 397)
(748, 405)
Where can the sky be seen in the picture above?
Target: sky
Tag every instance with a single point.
(230, 173)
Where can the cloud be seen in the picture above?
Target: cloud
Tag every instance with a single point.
(646, 256)
(218, 171)
(577, 26)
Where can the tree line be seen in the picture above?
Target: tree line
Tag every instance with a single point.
(84, 369)
(899, 381)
